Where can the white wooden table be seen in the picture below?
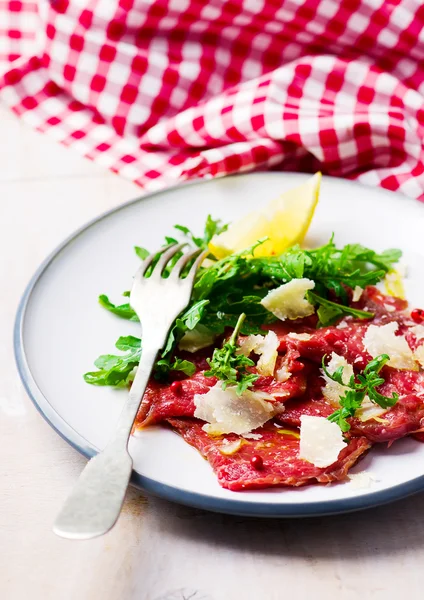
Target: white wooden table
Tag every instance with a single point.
(158, 551)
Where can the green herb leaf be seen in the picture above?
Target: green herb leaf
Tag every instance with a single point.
(349, 404)
(187, 321)
(123, 310)
(141, 252)
(117, 370)
(364, 384)
(170, 240)
(230, 367)
(212, 227)
(128, 342)
(185, 366)
(328, 312)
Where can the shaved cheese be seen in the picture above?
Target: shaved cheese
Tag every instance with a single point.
(402, 269)
(226, 412)
(266, 346)
(361, 480)
(419, 355)
(390, 307)
(303, 337)
(283, 374)
(357, 293)
(288, 301)
(382, 340)
(333, 390)
(252, 436)
(268, 352)
(320, 441)
(196, 339)
(418, 331)
(393, 284)
(382, 421)
(228, 448)
(342, 325)
(250, 343)
(369, 410)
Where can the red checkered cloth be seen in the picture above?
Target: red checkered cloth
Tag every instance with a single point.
(162, 91)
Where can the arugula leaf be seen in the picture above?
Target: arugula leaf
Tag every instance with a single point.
(370, 378)
(117, 370)
(349, 404)
(364, 384)
(164, 366)
(212, 227)
(186, 366)
(230, 367)
(170, 240)
(128, 342)
(192, 315)
(141, 252)
(328, 312)
(185, 322)
(123, 310)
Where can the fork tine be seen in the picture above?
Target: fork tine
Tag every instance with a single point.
(148, 261)
(178, 268)
(193, 270)
(166, 256)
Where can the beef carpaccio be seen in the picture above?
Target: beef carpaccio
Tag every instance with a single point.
(298, 388)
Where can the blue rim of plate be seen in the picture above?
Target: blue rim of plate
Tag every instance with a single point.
(156, 488)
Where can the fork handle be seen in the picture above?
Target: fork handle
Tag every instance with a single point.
(94, 504)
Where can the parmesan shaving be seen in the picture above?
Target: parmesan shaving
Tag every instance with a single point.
(226, 412)
(402, 269)
(418, 331)
(361, 480)
(267, 348)
(228, 448)
(198, 338)
(369, 410)
(332, 390)
(288, 301)
(249, 344)
(383, 340)
(357, 293)
(419, 355)
(303, 337)
(252, 436)
(393, 284)
(390, 307)
(320, 441)
(283, 374)
(268, 354)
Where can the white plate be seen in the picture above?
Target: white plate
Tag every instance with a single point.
(60, 329)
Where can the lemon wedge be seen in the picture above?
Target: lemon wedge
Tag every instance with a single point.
(284, 221)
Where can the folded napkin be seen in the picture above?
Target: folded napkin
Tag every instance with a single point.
(162, 91)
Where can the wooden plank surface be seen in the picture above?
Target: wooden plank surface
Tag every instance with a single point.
(158, 551)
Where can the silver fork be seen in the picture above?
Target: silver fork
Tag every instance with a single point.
(94, 504)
